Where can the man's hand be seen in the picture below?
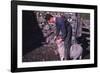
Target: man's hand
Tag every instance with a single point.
(59, 40)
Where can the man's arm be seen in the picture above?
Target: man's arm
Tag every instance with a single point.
(69, 34)
(57, 30)
(67, 31)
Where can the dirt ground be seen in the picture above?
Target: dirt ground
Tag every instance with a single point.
(46, 53)
(43, 53)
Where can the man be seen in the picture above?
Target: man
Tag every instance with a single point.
(64, 29)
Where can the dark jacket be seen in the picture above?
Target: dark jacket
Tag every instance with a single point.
(64, 27)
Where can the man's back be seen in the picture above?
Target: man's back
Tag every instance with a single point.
(64, 27)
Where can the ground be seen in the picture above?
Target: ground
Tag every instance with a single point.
(46, 53)
(43, 53)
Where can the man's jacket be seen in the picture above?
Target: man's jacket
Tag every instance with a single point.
(65, 28)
